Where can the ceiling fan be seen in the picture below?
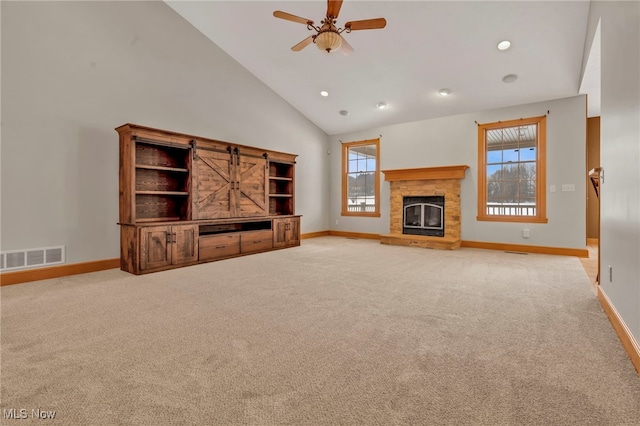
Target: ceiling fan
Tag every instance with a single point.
(328, 37)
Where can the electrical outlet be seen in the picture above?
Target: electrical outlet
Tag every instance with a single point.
(526, 233)
(337, 221)
(552, 188)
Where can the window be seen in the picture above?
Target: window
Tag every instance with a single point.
(361, 178)
(511, 171)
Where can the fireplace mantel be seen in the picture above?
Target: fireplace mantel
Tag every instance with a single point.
(426, 173)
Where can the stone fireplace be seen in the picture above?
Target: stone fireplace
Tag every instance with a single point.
(425, 207)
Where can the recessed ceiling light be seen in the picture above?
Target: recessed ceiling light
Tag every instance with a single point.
(344, 112)
(324, 93)
(504, 45)
(444, 92)
(381, 105)
(509, 78)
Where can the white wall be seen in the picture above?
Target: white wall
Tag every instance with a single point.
(453, 140)
(620, 155)
(73, 71)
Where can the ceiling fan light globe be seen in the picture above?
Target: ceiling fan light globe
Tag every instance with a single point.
(328, 41)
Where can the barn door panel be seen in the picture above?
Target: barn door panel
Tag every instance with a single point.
(215, 184)
(252, 189)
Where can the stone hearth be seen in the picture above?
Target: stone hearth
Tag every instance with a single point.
(429, 181)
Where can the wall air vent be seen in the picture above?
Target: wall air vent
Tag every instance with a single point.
(31, 258)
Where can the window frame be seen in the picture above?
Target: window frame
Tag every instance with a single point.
(541, 170)
(346, 146)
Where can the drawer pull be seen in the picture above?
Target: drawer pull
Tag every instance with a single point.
(222, 246)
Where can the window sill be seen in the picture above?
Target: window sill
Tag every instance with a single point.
(360, 214)
(517, 219)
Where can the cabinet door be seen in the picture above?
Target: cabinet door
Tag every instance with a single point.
(184, 244)
(293, 238)
(155, 247)
(251, 197)
(279, 232)
(214, 185)
(286, 232)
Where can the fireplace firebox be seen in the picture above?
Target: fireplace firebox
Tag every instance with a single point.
(423, 216)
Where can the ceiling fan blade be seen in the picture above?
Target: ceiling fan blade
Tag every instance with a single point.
(366, 24)
(290, 17)
(304, 43)
(346, 47)
(333, 8)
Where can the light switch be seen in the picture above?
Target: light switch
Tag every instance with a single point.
(552, 188)
(568, 187)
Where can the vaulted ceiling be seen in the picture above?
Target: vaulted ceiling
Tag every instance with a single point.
(426, 46)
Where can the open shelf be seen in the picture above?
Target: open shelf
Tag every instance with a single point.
(183, 193)
(151, 155)
(162, 168)
(280, 170)
(258, 225)
(281, 188)
(159, 205)
(154, 179)
(280, 205)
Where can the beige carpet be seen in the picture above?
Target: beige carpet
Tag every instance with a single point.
(334, 332)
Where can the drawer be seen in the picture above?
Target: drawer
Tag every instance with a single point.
(256, 241)
(216, 246)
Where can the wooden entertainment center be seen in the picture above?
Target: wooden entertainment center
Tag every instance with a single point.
(186, 200)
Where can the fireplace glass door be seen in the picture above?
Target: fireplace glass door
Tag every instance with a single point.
(423, 216)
